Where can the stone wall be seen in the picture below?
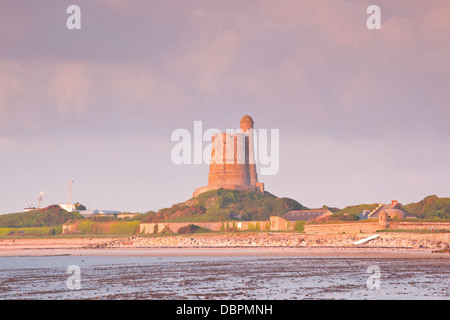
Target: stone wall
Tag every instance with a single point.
(279, 224)
(351, 227)
(66, 228)
(370, 227)
(150, 228)
(419, 225)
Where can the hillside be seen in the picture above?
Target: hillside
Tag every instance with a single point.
(223, 205)
(430, 207)
(352, 212)
(50, 216)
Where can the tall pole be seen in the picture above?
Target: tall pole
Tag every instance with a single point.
(41, 193)
(70, 191)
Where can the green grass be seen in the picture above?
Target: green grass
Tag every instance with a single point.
(429, 207)
(219, 205)
(356, 210)
(299, 226)
(222, 198)
(37, 231)
(123, 227)
(50, 216)
(108, 228)
(211, 215)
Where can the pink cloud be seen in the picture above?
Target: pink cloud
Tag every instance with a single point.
(70, 88)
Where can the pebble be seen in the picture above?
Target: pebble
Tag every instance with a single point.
(261, 240)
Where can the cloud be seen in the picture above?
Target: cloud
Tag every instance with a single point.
(312, 69)
(209, 61)
(70, 88)
(11, 87)
(6, 145)
(48, 95)
(314, 62)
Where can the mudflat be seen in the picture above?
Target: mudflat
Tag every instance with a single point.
(282, 245)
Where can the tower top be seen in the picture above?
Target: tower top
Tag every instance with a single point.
(246, 123)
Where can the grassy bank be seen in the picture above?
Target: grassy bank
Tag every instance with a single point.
(36, 231)
(107, 228)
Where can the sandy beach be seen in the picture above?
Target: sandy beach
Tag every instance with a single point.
(213, 245)
(223, 266)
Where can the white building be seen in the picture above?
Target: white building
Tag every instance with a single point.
(89, 213)
(69, 207)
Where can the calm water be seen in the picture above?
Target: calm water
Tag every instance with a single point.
(131, 277)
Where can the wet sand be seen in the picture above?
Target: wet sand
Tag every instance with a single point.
(130, 268)
(203, 277)
(83, 247)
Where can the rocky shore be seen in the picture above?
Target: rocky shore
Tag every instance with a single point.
(242, 244)
(415, 241)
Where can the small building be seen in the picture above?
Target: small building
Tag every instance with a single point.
(96, 212)
(279, 224)
(394, 210)
(69, 207)
(307, 215)
(363, 215)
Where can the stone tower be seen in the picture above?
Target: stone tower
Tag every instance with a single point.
(232, 163)
(383, 219)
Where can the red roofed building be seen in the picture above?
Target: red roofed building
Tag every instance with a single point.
(394, 210)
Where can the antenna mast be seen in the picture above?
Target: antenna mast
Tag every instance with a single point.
(41, 193)
(70, 191)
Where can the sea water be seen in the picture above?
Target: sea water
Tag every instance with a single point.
(211, 277)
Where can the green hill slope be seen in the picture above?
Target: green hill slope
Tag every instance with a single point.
(50, 216)
(223, 205)
(352, 212)
(430, 207)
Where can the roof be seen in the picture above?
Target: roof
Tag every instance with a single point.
(364, 214)
(86, 213)
(306, 215)
(390, 209)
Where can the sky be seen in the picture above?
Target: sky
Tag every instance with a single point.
(363, 115)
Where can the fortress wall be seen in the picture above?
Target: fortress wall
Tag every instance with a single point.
(278, 224)
(419, 225)
(149, 228)
(370, 227)
(443, 237)
(365, 227)
(66, 228)
(253, 225)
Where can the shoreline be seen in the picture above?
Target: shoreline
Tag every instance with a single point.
(311, 252)
(229, 245)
